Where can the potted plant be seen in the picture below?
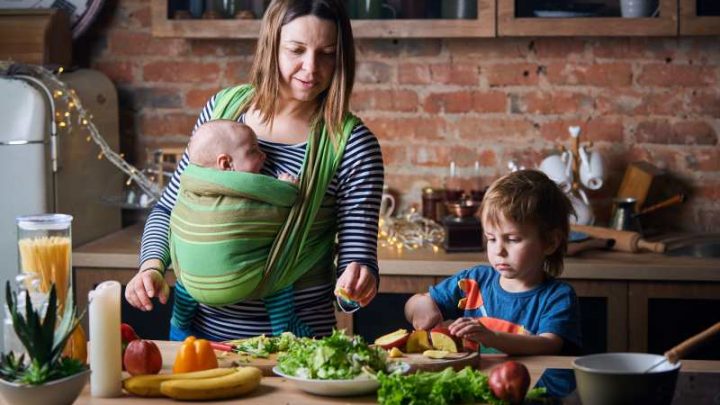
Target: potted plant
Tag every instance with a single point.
(45, 377)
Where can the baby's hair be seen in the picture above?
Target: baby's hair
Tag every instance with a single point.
(529, 196)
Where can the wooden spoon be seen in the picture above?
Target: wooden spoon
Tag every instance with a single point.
(674, 354)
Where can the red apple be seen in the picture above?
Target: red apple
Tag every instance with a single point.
(418, 342)
(142, 357)
(510, 381)
(442, 339)
(393, 339)
(127, 335)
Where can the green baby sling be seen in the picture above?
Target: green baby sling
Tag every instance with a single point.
(237, 236)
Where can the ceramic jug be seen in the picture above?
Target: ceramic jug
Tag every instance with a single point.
(591, 169)
(559, 169)
(387, 203)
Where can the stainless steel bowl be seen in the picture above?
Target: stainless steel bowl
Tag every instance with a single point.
(620, 378)
(462, 209)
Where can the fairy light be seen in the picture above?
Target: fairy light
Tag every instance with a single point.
(409, 231)
(66, 99)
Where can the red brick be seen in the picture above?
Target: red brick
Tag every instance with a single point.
(598, 129)
(604, 74)
(526, 157)
(118, 72)
(197, 98)
(191, 72)
(237, 73)
(634, 48)
(556, 47)
(703, 160)
(407, 129)
(140, 17)
(385, 100)
(486, 130)
(489, 48)
(442, 155)
(695, 132)
(659, 131)
(709, 191)
(395, 155)
(635, 102)
(677, 75)
(661, 157)
(465, 101)
(557, 102)
(136, 43)
(223, 47)
(373, 72)
(441, 73)
(705, 103)
(510, 74)
(167, 124)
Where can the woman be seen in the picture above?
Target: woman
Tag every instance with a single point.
(303, 76)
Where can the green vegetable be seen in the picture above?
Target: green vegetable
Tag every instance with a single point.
(262, 346)
(437, 388)
(336, 357)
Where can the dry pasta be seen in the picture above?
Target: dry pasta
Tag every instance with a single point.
(49, 258)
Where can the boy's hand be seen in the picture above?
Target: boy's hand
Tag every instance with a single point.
(469, 328)
(426, 321)
(144, 286)
(422, 312)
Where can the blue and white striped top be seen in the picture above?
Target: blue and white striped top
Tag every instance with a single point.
(357, 187)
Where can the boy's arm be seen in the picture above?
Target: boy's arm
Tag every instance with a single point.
(422, 312)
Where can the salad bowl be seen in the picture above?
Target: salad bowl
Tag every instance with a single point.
(362, 384)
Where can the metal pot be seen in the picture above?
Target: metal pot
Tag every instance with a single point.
(621, 378)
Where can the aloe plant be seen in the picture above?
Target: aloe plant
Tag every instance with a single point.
(43, 338)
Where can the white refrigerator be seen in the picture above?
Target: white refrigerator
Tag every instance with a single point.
(41, 174)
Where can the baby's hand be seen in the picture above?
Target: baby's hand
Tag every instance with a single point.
(468, 328)
(288, 177)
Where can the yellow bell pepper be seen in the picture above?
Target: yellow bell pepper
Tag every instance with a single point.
(194, 355)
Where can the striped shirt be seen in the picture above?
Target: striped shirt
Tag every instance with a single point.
(357, 188)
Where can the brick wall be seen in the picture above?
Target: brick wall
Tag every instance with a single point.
(431, 101)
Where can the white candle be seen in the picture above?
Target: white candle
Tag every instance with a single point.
(105, 361)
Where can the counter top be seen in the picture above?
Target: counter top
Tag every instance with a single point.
(276, 390)
(120, 250)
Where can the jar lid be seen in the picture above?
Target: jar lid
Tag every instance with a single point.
(44, 222)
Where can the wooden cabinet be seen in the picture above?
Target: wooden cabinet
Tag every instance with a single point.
(694, 21)
(482, 26)
(512, 23)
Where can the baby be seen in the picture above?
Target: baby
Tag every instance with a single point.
(228, 145)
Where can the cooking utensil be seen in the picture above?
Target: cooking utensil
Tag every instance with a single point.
(676, 199)
(674, 354)
(623, 218)
(625, 241)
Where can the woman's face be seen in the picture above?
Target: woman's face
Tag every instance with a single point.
(306, 57)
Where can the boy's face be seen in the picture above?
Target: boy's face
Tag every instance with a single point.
(516, 251)
(248, 157)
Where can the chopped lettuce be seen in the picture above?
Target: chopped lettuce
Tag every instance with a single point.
(262, 346)
(336, 357)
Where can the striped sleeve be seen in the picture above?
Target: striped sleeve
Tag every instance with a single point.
(359, 191)
(155, 240)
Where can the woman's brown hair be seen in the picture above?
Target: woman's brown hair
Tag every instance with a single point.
(333, 103)
(529, 196)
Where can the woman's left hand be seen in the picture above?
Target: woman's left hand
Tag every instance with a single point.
(358, 282)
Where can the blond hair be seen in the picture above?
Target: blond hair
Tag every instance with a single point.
(529, 196)
(333, 103)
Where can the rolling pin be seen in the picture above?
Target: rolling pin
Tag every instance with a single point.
(625, 241)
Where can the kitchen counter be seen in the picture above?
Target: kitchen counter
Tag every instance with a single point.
(276, 390)
(120, 251)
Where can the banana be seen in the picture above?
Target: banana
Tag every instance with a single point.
(242, 381)
(149, 385)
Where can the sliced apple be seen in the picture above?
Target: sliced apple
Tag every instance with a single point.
(442, 339)
(393, 339)
(395, 353)
(418, 342)
(436, 354)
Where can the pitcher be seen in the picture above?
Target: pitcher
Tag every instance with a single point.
(387, 203)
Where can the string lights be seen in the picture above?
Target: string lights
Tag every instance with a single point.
(69, 110)
(410, 231)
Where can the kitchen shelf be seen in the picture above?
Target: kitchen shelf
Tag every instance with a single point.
(509, 25)
(693, 24)
(483, 26)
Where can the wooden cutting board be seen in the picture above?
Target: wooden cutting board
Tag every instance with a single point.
(225, 359)
(457, 361)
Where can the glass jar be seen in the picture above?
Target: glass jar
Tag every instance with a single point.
(45, 248)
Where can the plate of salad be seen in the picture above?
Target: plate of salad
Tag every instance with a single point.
(337, 365)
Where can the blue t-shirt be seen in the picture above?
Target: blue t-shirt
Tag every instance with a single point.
(551, 307)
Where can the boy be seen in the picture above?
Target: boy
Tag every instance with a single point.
(516, 305)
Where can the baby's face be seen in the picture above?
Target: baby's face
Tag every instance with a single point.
(248, 157)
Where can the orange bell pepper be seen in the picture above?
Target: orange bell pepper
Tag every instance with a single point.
(194, 355)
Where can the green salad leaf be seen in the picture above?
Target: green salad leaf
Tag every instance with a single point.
(262, 346)
(336, 357)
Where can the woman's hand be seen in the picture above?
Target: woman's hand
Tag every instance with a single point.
(147, 284)
(358, 282)
(469, 328)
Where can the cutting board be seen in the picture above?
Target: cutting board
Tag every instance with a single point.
(225, 359)
(457, 361)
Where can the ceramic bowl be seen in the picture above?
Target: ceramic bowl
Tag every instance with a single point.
(58, 392)
(620, 378)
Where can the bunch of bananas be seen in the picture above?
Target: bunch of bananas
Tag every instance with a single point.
(217, 383)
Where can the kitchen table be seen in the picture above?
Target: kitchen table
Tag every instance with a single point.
(276, 390)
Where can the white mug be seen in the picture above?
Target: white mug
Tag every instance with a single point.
(583, 212)
(637, 8)
(558, 170)
(387, 203)
(592, 169)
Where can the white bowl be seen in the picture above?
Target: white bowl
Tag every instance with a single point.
(58, 392)
(620, 378)
(360, 385)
